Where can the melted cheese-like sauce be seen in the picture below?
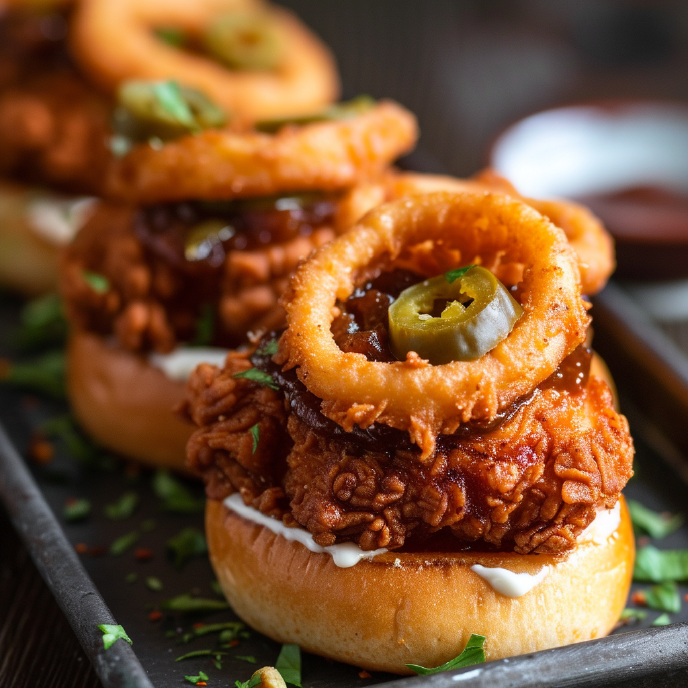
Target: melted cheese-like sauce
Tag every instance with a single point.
(343, 555)
(58, 220)
(179, 364)
(507, 582)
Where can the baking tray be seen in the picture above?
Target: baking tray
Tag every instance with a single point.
(92, 588)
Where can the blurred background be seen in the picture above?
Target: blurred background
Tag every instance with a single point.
(468, 68)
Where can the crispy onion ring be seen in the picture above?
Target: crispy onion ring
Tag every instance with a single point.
(413, 395)
(225, 164)
(114, 41)
(592, 243)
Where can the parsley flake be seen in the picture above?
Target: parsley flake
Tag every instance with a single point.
(76, 509)
(258, 376)
(268, 348)
(123, 507)
(195, 679)
(655, 525)
(99, 283)
(453, 275)
(123, 543)
(664, 597)
(473, 653)
(201, 653)
(289, 664)
(633, 615)
(247, 658)
(186, 603)
(662, 620)
(42, 323)
(111, 633)
(205, 327)
(229, 630)
(658, 566)
(153, 583)
(45, 374)
(172, 101)
(255, 433)
(251, 683)
(175, 496)
(186, 545)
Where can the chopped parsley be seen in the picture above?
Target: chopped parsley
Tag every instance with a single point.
(171, 35)
(201, 653)
(175, 496)
(186, 603)
(80, 447)
(255, 433)
(170, 97)
(153, 583)
(453, 275)
(205, 327)
(123, 543)
(76, 509)
(662, 620)
(148, 525)
(42, 323)
(655, 525)
(123, 507)
(196, 679)
(251, 683)
(99, 283)
(268, 348)
(186, 545)
(473, 653)
(216, 587)
(258, 376)
(45, 374)
(112, 633)
(247, 658)
(229, 631)
(664, 597)
(289, 664)
(658, 566)
(131, 577)
(633, 615)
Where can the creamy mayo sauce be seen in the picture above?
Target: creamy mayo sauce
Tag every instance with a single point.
(179, 364)
(468, 675)
(344, 555)
(605, 524)
(507, 582)
(58, 221)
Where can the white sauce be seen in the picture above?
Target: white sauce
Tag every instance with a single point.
(512, 584)
(179, 364)
(605, 525)
(59, 220)
(345, 555)
(468, 675)
(507, 582)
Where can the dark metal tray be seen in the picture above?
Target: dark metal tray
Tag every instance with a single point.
(92, 589)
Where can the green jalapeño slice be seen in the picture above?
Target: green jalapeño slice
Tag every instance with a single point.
(457, 320)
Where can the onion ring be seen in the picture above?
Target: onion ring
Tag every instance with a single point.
(592, 243)
(114, 41)
(412, 395)
(225, 164)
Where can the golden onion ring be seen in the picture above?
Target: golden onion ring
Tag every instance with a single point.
(226, 164)
(413, 395)
(114, 41)
(592, 243)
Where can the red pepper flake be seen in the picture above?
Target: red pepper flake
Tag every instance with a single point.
(638, 598)
(155, 616)
(81, 548)
(201, 683)
(41, 451)
(685, 597)
(143, 554)
(364, 674)
(233, 643)
(96, 551)
(200, 624)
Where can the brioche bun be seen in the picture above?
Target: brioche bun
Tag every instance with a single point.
(419, 608)
(125, 403)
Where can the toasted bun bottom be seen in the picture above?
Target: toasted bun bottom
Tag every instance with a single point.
(125, 403)
(28, 263)
(417, 608)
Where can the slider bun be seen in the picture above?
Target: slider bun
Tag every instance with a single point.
(28, 262)
(418, 608)
(125, 403)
